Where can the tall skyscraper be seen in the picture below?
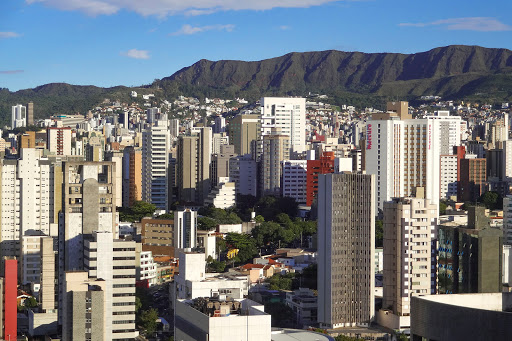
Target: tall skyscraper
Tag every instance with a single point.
(113, 261)
(346, 242)
(174, 128)
(243, 170)
(132, 176)
(18, 116)
(276, 148)
(405, 153)
(410, 261)
(30, 113)
(287, 114)
(25, 198)
(8, 300)
(155, 162)
(244, 130)
(89, 206)
(193, 165)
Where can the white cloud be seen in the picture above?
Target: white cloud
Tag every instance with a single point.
(285, 27)
(136, 54)
(11, 72)
(163, 8)
(189, 29)
(9, 35)
(482, 24)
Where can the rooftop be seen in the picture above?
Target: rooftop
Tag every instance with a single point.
(298, 335)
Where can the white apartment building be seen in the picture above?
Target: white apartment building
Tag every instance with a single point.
(295, 179)
(25, 199)
(243, 171)
(223, 195)
(58, 140)
(449, 131)
(113, 261)
(287, 114)
(18, 116)
(507, 160)
(155, 163)
(403, 155)
(410, 263)
(448, 176)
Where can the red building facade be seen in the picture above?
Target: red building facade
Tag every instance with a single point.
(324, 165)
(10, 304)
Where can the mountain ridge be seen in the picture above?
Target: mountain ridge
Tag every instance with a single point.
(453, 71)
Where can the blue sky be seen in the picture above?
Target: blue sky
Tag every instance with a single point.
(132, 42)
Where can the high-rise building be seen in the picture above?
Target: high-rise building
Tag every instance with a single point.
(132, 176)
(18, 116)
(113, 261)
(294, 179)
(346, 243)
(219, 124)
(155, 162)
(405, 154)
(409, 255)
(244, 132)
(27, 140)
(25, 198)
(157, 236)
(219, 167)
(276, 148)
(470, 257)
(8, 300)
(30, 113)
(287, 114)
(507, 220)
(473, 179)
(507, 160)
(174, 128)
(84, 308)
(88, 206)
(243, 170)
(448, 176)
(219, 140)
(59, 140)
(324, 165)
(185, 229)
(193, 165)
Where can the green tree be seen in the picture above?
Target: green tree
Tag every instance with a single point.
(147, 320)
(442, 207)
(492, 200)
(169, 216)
(206, 223)
(379, 232)
(139, 210)
(30, 302)
(259, 219)
(244, 243)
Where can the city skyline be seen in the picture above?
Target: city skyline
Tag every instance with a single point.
(108, 43)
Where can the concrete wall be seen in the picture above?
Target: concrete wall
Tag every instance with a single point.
(443, 318)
